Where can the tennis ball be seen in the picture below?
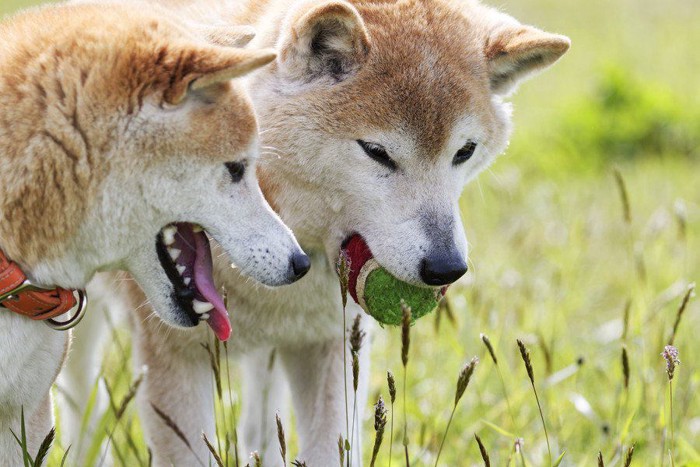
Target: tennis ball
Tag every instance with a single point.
(379, 293)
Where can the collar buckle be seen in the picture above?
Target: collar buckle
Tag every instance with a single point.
(80, 307)
(26, 286)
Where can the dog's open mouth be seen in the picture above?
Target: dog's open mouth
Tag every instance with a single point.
(184, 252)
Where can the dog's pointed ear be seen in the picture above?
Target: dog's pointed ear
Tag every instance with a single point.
(227, 36)
(200, 67)
(323, 39)
(515, 51)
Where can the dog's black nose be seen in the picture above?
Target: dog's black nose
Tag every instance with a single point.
(442, 269)
(300, 265)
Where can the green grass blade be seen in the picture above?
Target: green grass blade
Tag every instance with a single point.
(559, 459)
(498, 429)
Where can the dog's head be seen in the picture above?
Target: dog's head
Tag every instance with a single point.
(380, 113)
(123, 137)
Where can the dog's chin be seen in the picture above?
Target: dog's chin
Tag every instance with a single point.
(266, 281)
(176, 316)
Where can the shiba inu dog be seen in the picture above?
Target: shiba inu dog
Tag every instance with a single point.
(122, 141)
(374, 117)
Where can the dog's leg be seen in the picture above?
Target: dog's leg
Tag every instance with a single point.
(25, 382)
(316, 378)
(178, 383)
(78, 378)
(264, 395)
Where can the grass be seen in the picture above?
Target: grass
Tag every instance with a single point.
(557, 262)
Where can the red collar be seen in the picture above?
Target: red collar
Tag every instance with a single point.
(19, 295)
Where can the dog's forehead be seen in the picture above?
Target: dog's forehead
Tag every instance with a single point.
(426, 71)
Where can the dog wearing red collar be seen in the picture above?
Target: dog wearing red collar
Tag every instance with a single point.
(376, 114)
(124, 144)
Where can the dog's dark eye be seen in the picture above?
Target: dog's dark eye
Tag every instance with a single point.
(464, 154)
(378, 153)
(236, 170)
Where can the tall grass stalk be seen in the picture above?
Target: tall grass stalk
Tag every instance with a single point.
(487, 342)
(462, 383)
(119, 413)
(525, 354)
(214, 363)
(230, 423)
(379, 425)
(357, 335)
(670, 355)
(343, 269)
(405, 346)
(391, 382)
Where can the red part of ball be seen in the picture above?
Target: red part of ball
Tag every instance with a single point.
(358, 253)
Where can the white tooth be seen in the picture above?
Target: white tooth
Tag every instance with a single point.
(188, 280)
(204, 317)
(169, 234)
(197, 228)
(180, 268)
(201, 307)
(174, 253)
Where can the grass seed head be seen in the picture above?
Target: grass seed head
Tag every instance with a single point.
(379, 425)
(379, 415)
(256, 459)
(341, 450)
(392, 386)
(624, 197)
(489, 347)
(212, 450)
(690, 293)
(625, 367)
(600, 459)
(482, 450)
(670, 354)
(129, 395)
(299, 463)
(518, 445)
(215, 368)
(464, 377)
(525, 354)
(44, 448)
(342, 267)
(628, 457)
(355, 371)
(281, 438)
(357, 335)
(405, 332)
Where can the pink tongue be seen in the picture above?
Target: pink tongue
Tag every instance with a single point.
(218, 317)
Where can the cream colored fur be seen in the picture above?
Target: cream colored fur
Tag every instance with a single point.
(420, 78)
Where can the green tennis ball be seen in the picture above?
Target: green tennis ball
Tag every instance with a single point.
(380, 294)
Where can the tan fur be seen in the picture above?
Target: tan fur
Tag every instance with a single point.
(73, 78)
(113, 124)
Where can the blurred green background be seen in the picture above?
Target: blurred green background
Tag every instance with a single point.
(555, 263)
